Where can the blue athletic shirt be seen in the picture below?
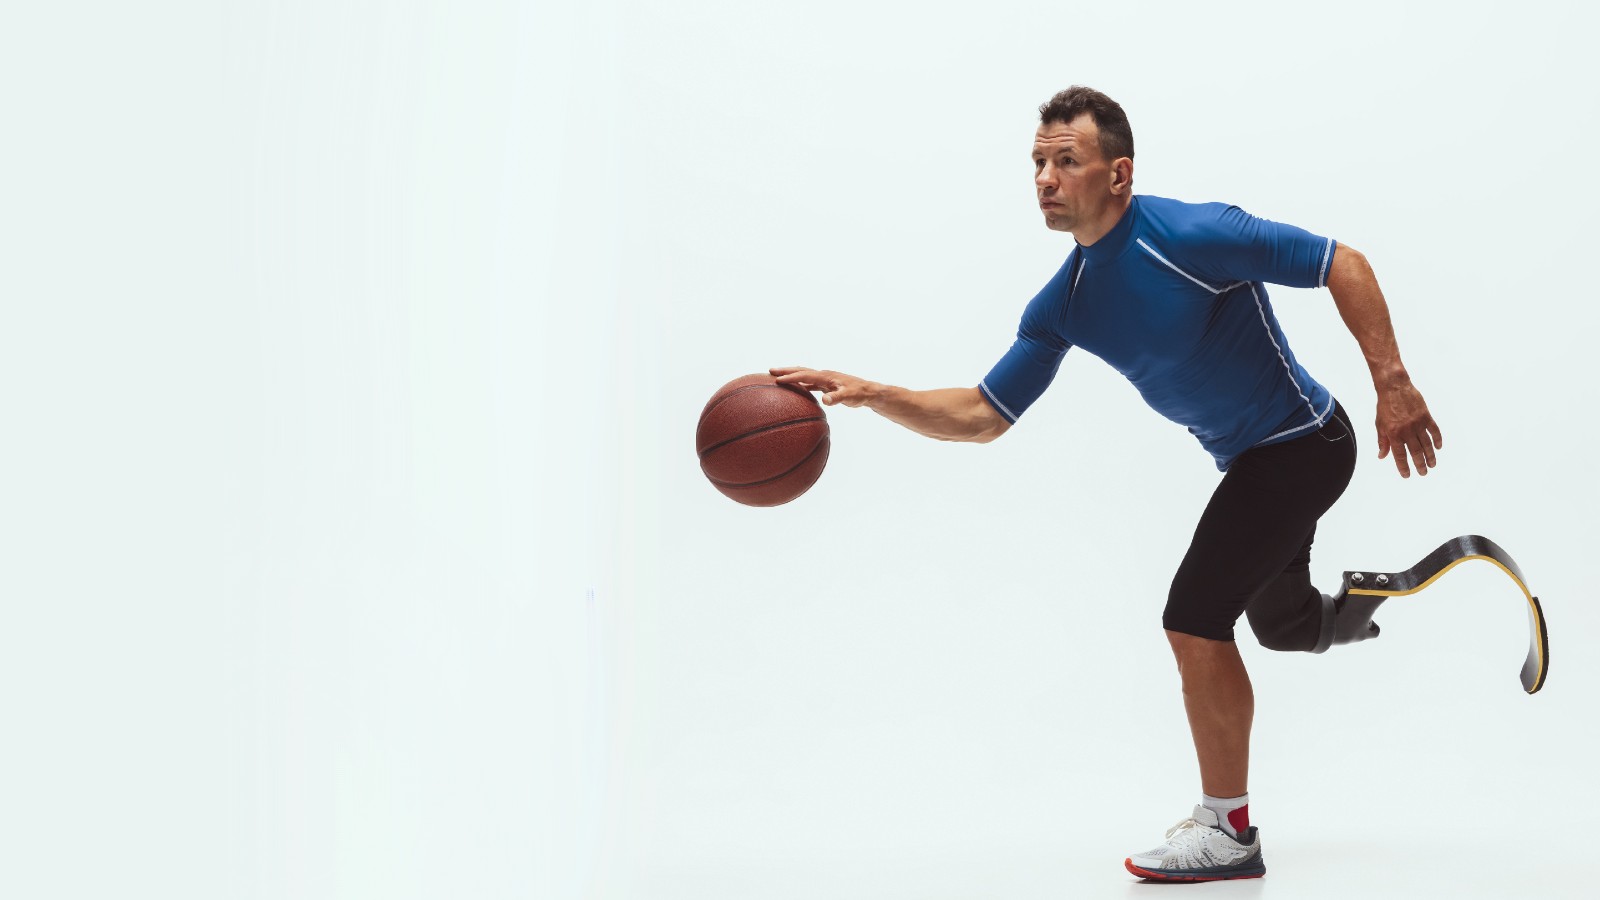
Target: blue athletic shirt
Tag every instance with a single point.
(1173, 298)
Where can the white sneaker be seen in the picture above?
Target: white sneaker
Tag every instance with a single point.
(1197, 850)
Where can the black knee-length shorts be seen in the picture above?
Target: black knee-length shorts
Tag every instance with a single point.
(1252, 548)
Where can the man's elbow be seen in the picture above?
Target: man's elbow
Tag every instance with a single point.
(1347, 262)
(991, 431)
(983, 422)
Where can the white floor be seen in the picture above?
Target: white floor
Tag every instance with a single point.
(1444, 854)
(898, 738)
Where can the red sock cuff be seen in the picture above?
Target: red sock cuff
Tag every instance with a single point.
(1239, 818)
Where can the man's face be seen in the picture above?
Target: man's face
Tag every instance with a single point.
(1070, 176)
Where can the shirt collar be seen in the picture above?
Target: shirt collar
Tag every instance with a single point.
(1115, 241)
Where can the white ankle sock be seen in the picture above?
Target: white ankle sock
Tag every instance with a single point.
(1233, 813)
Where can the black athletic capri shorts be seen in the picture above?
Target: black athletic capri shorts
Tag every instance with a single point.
(1252, 548)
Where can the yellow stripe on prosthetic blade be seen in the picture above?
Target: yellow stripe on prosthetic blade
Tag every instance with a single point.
(1535, 620)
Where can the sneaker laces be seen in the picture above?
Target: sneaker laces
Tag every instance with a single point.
(1185, 825)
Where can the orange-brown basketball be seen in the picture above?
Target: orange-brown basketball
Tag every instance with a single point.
(760, 442)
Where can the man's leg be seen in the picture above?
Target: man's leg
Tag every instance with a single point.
(1259, 520)
(1247, 538)
(1221, 706)
(1251, 546)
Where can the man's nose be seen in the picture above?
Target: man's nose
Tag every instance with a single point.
(1046, 176)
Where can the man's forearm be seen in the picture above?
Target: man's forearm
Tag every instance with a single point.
(1404, 424)
(1360, 301)
(948, 414)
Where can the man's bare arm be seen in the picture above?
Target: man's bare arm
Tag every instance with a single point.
(1404, 423)
(947, 414)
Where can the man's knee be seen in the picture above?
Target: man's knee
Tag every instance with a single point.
(1190, 621)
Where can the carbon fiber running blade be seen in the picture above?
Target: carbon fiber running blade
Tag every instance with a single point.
(1449, 555)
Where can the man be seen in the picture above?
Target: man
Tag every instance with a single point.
(1173, 295)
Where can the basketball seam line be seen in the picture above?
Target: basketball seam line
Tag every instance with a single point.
(764, 428)
(823, 440)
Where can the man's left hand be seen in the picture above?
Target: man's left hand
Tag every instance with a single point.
(1406, 427)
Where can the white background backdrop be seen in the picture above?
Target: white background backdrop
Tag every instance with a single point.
(354, 544)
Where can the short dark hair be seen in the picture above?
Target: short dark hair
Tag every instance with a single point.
(1116, 136)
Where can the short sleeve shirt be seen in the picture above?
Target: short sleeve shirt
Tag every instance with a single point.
(1174, 297)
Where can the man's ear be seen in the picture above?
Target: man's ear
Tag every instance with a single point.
(1121, 175)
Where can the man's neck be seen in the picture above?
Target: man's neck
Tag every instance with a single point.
(1104, 222)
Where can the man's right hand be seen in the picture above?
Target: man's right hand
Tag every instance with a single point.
(946, 414)
(836, 388)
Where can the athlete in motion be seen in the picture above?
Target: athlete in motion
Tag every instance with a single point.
(1173, 295)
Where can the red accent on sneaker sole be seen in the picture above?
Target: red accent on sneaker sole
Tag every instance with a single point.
(1162, 876)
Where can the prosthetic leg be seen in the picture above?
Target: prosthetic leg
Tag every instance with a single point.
(1347, 615)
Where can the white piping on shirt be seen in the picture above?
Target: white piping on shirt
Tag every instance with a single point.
(1288, 370)
(1322, 274)
(1317, 418)
(1152, 251)
(1320, 420)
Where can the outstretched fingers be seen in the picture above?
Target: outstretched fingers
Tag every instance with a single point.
(826, 384)
(810, 379)
(834, 387)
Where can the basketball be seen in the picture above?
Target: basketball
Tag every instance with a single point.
(760, 442)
